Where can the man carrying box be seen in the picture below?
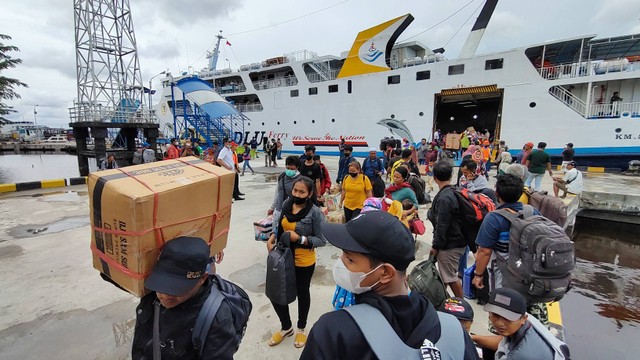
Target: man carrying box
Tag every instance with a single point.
(172, 321)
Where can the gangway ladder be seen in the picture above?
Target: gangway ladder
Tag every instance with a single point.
(569, 99)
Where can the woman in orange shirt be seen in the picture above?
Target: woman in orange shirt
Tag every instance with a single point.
(301, 219)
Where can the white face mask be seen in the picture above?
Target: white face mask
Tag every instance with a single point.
(350, 280)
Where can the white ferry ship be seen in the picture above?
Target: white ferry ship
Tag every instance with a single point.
(583, 90)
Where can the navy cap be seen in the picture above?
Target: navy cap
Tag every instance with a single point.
(459, 308)
(376, 233)
(182, 263)
(507, 303)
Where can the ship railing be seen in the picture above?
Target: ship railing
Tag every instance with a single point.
(249, 107)
(614, 110)
(275, 83)
(331, 75)
(569, 99)
(85, 113)
(229, 89)
(300, 55)
(586, 68)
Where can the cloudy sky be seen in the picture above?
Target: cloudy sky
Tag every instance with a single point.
(175, 34)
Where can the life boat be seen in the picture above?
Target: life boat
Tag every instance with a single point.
(608, 66)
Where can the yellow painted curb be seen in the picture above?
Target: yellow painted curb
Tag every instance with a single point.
(595, 169)
(53, 183)
(555, 315)
(7, 188)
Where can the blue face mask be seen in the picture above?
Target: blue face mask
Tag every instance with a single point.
(291, 173)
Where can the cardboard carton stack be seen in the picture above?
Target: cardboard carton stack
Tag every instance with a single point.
(136, 209)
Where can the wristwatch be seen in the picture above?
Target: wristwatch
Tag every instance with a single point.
(303, 240)
(477, 275)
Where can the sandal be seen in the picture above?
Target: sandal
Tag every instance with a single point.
(278, 336)
(301, 339)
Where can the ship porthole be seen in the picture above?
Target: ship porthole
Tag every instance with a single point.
(393, 116)
(421, 113)
(295, 122)
(262, 124)
(532, 104)
(313, 121)
(278, 122)
(333, 120)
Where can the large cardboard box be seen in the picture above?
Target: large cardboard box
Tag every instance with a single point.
(136, 209)
(452, 141)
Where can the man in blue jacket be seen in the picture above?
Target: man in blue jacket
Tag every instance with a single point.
(343, 165)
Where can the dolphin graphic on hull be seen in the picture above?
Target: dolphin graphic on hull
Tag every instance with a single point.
(397, 127)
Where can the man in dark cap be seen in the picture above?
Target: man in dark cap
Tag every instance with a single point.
(520, 336)
(376, 251)
(180, 285)
(343, 163)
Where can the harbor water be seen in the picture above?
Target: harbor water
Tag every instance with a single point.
(602, 311)
(36, 167)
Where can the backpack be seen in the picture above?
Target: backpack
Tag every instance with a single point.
(541, 257)
(426, 280)
(280, 286)
(237, 300)
(137, 157)
(551, 207)
(418, 185)
(386, 344)
(377, 166)
(473, 209)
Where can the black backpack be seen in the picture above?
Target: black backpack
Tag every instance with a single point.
(541, 257)
(237, 300)
(418, 185)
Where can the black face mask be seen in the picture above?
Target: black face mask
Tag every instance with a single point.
(347, 153)
(353, 174)
(298, 200)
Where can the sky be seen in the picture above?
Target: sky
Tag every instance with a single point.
(175, 34)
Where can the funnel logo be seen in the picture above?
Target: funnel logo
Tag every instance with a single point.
(373, 54)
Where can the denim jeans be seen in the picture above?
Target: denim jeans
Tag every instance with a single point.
(245, 165)
(534, 178)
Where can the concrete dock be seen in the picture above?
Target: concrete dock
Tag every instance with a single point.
(54, 305)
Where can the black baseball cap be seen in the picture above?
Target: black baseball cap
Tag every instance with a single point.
(182, 263)
(507, 303)
(348, 147)
(570, 145)
(376, 233)
(459, 308)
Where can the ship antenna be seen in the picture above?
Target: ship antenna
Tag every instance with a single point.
(216, 52)
(471, 45)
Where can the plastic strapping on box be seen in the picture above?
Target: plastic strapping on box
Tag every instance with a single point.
(114, 264)
(213, 222)
(159, 236)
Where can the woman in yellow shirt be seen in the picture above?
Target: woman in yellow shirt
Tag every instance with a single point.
(356, 188)
(302, 220)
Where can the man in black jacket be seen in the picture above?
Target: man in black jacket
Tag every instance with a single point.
(448, 242)
(180, 285)
(377, 249)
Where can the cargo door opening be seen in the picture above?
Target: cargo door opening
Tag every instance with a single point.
(460, 108)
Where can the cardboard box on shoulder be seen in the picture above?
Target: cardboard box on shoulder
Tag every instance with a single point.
(452, 141)
(136, 209)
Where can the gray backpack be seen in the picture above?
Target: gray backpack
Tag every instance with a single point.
(541, 257)
(386, 344)
(281, 276)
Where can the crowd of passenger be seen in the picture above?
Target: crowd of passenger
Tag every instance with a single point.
(381, 198)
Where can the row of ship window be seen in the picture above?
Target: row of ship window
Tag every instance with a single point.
(420, 75)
